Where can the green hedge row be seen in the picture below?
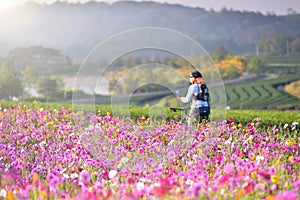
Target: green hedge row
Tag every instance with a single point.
(268, 117)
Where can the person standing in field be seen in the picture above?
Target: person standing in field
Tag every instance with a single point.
(198, 96)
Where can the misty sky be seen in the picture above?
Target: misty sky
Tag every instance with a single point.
(265, 6)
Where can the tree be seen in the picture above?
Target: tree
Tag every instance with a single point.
(10, 85)
(112, 84)
(273, 44)
(231, 67)
(295, 45)
(30, 78)
(34, 52)
(255, 64)
(51, 88)
(220, 54)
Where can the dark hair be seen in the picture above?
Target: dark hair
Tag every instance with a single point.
(196, 74)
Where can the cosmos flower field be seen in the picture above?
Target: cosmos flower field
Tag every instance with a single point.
(60, 154)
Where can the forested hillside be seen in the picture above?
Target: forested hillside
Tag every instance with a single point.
(76, 28)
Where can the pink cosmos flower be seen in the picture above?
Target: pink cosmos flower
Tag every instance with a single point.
(53, 182)
(297, 184)
(249, 188)
(297, 159)
(141, 151)
(290, 195)
(229, 167)
(264, 175)
(224, 178)
(259, 186)
(230, 120)
(84, 177)
(162, 187)
(272, 170)
(197, 189)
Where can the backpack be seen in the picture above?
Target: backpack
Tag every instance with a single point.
(202, 92)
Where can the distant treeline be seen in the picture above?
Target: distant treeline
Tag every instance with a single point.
(278, 44)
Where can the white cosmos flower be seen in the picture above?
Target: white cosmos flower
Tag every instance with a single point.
(250, 137)
(124, 160)
(156, 184)
(66, 176)
(259, 158)
(3, 193)
(227, 142)
(140, 186)
(112, 174)
(74, 175)
(222, 192)
(189, 182)
(294, 124)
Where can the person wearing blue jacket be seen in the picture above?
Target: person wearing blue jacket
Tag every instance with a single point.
(198, 96)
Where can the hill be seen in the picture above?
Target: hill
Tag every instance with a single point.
(76, 28)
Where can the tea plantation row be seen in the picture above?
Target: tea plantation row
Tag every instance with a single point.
(262, 94)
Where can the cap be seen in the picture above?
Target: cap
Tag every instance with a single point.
(196, 74)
